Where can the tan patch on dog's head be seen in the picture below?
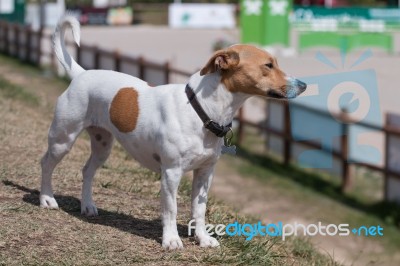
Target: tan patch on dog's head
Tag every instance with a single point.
(250, 70)
(124, 110)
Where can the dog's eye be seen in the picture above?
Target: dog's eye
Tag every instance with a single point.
(269, 65)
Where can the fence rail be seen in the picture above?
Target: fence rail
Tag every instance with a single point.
(341, 153)
(20, 41)
(35, 47)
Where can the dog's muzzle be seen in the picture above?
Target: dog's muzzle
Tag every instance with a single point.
(295, 87)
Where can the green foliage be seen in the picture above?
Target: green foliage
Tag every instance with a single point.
(13, 91)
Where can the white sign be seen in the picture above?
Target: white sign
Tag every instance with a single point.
(278, 8)
(201, 16)
(108, 3)
(252, 7)
(100, 3)
(53, 13)
(6, 6)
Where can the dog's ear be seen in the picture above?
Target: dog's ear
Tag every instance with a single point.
(221, 60)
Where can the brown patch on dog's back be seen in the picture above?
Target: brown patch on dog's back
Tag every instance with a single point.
(124, 110)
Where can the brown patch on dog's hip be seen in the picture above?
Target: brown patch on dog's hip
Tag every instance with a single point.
(124, 110)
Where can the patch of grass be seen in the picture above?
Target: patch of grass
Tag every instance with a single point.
(45, 72)
(367, 186)
(106, 184)
(15, 92)
(260, 250)
(2, 174)
(142, 183)
(304, 249)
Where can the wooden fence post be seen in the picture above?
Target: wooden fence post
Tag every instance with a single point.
(240, 127)
(16, 41)
(2, 35)
(386, 165)
(28, 44)
(7, 40)
(96, 57)
(117, 61)
(287, 147)
(166, 73)
(344, 150)
(39, 47)
(141, 68)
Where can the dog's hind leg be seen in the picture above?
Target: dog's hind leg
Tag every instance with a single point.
(101, 144)
(60, 140)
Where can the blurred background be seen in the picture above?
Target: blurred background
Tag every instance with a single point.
(340, 140)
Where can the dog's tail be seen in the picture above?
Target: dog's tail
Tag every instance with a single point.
(72, 67)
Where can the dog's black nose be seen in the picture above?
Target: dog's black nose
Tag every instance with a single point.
(302, 86)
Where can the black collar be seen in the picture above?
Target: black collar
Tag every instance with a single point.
(217, 129)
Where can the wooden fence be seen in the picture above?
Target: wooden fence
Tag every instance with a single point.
(35, 47)
(21, 42)
(342, 153)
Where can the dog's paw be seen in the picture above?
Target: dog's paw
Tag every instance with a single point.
(172, 242)
(207, 241)
(48, 202)
(89, 209)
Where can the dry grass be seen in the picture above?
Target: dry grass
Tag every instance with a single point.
(128, 229)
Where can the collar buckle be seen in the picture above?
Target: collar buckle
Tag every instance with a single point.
(207, 123)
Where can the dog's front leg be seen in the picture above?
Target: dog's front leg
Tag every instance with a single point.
(170, 179)
(202, 180)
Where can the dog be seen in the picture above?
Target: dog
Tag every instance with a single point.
(170, 129)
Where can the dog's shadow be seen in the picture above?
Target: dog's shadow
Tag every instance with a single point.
(150, 229)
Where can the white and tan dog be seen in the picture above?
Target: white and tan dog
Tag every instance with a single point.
(157, 125)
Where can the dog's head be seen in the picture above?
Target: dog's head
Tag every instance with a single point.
(250, 70)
